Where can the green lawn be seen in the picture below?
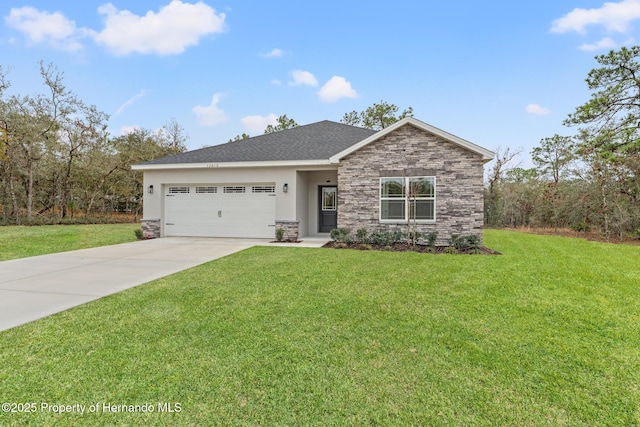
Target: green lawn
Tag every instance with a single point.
(23, 241)
(546, 334)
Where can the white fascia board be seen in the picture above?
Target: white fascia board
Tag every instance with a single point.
(487, 155)
(214, 165)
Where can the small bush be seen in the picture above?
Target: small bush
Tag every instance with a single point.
(364, 247)
(462, 243)
(138, 233)
(450, 250)
(430, 239)
(362, 235)
(279, 234)
(386, 238)
(341, 235)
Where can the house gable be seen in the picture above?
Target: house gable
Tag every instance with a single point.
(487, 155)
(406, 151)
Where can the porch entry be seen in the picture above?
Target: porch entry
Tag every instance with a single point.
(327, 208)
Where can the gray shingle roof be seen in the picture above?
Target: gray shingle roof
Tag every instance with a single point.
(315, 141)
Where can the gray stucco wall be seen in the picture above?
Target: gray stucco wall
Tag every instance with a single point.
(409, 151)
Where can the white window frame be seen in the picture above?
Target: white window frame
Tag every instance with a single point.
(407, 201)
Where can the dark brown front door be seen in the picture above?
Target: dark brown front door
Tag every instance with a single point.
(327, 208)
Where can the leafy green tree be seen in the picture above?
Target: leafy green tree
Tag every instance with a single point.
(283, 122)
(377, 116)
(554, 155)
(612, 116)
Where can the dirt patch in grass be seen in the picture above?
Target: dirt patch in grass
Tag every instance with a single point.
(405, 247)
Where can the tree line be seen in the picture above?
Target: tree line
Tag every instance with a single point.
(59, 164)
(589, 181)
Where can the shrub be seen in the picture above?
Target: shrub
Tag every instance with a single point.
(362, 235)
(279, 234)
(364, 247)
(138, 233)
(430, 239)
(462, 243)
(341, 235)
(386, 238)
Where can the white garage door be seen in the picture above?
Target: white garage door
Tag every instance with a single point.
(229, 210)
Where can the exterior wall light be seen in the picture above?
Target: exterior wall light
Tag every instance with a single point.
(151, 189)
(285, 188)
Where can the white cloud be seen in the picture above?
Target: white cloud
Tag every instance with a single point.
(210, 115)
(130, 102)
(125, 130)
(337, 87)
(303, 78)
(257, 124)
(169, 31)
(53, 29)
(615, 17)
(537, 110)
(605, 43)
(275, 53)
(276, 82)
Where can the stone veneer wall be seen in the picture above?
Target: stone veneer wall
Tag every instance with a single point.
(150, 228)
(290, 230)
(409, 151)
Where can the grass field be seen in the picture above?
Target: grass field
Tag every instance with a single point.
(546, 334)
(24, 241)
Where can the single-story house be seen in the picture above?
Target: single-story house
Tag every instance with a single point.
(310, 179)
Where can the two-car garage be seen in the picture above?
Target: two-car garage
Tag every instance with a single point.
(220, 210)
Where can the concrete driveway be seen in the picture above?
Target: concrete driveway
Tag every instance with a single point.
(36, 287)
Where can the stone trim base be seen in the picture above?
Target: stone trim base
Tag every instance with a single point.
(150, 228)
(290, 228)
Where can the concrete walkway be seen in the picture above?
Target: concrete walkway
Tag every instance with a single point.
(36, 287)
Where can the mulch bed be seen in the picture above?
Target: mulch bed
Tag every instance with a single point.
(405, 247)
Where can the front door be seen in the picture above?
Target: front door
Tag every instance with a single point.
(327, 208)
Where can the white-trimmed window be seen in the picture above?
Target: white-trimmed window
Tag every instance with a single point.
(234, 189)
(404, 199)
(263, 189)
(206, 190)
(178, 190)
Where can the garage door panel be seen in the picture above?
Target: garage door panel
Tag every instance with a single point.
(218, 213)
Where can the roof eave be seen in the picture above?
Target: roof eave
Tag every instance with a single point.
(223, 165)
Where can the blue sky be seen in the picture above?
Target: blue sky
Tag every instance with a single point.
(497, 73)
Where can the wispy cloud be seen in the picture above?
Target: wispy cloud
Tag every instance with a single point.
(611, 17)
(537, 110)
(257, 124)
(301, 78)
(604, 44)
(275, 53)
(130, 102)
(614, 17)
(336, 88)
(210, 115)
